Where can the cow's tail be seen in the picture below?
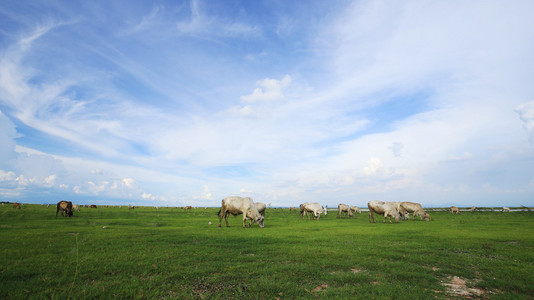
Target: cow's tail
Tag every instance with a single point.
(219, 213)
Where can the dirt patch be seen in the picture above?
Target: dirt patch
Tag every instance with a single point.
(431, 268)
(318, 289)
(352, 270)
(458, 286)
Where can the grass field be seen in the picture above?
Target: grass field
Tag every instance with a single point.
(171, 253)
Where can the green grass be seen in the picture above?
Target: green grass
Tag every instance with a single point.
(175, 254)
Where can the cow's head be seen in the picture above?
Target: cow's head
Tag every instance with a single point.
(398, 217)
(325, 210)
(426, 217)
(259, 220)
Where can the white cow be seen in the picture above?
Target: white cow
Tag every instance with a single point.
(344, 208)
(355, 209)
(303, 210)
(261, 209)
(387, 209)
(75, 207)
(313, 207)
(236, 205)
(400, 209)
(505, 209)
(416, 209)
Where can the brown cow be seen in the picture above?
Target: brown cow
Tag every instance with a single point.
(388, 209)
(16, 205)
(344, 208)
(64, 206)
(92, 206)
(454, 210)
(416, 209)
(187, 207)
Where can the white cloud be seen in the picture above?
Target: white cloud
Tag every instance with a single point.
(7, 176)
(148, 196)
(375, 165)
(128, 182)
(269, 90)
(50, 180)
(526, 114)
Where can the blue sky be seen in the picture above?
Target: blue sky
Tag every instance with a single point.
(186, 102)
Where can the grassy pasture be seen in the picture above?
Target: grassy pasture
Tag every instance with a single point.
(172, 253)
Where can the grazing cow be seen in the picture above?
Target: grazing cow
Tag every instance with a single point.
(355, 209)
(261, 209)
(416, 209)
(75, 207)
(92, 206)
(16, 205)
(454, 210)
(400, 209)
(344, 208)
(472, 209)
(505, 209)
(64, 206)
(387, 209)
(302, 210)
(131, 206)
(315, 208)
(236, 205)
(187, 207)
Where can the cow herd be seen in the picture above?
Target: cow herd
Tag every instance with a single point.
(255, 211)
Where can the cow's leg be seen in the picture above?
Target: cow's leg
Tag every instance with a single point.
(226, 218)
(371, 216)
(222, 212)
(245, 220)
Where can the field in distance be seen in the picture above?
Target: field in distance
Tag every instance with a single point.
(173, 253)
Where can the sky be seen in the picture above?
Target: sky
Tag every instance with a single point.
(174, 103)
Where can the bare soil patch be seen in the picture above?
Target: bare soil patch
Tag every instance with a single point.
(458, 286)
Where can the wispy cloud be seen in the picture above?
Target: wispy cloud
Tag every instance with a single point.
(398, 101)
(207, 26)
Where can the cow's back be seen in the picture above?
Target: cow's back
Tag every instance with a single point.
(237, 204)
(376, 206)
(412, 206)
